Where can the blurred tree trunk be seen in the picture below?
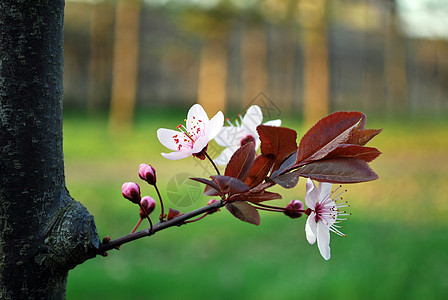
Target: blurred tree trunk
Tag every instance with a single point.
(100, 55)
(125, 65)
(254, 60)
(395, 65)
(316, 65)
(44, 232)
(213, 72)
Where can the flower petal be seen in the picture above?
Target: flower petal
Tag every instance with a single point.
(323, 240)
(166, 137)
(177, 155)
(224, 157)
(252, 119)
(311, 228)
(324, 190)
(215, 125)
(275, 123)
(312, 193)
(196, 113)
(228, 136)
(200, 144)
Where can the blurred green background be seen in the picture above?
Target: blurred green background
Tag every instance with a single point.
(132, 67)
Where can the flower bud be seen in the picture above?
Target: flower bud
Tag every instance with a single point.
(131, 191)
(294, 209)
(148, 205)
(147, 173)
(211, 202)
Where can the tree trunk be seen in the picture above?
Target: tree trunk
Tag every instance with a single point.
(44, 232)
(125, 65)
(212, 87)
(316, 65)
(254, 60)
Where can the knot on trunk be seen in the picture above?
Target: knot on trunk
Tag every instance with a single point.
(71, 237)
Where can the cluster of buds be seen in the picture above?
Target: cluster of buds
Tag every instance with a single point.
(131, 191)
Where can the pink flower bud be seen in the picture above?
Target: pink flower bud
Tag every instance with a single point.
(148, 205)
(294, 209)
(131, 191)
(211, 202)
(147, 173)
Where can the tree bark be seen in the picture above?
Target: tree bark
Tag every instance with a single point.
(44, 232)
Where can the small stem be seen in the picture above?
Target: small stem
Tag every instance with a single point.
(269, 206)
(162, 211)
(136, 226)
(197, 219)
(279, 208)
(270, 209)
(211, 160)
(147, 217)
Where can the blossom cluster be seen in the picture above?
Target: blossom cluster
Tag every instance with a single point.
(259, 155)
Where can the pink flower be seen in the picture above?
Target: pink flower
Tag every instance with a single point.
(193, 138)
(147, 173)
(294, 209)
(234, 136)
(148, 205)
(323, 215)
(131, 191)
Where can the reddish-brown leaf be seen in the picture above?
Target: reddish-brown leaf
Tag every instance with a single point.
(209, 191)
(287, 180)
(255, 196)
(339, 170)
(260, 169)
(367, 154)
(208, 183)
(211, 188)
(172, 213)
(327, 134)
(363, 136)
(278, 141)
(241, 162)
(286, 165)
(244, 211)
(230, 185)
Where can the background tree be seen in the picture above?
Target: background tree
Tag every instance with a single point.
(44, 232)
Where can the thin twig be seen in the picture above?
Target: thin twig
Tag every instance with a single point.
(177, 221)
(162, 212)
(211, 160)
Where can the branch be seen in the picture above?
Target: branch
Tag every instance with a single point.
(177, 221)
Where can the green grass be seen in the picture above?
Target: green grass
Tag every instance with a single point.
(397, 236)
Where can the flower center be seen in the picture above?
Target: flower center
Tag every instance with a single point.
(187, 138)
(328, 211)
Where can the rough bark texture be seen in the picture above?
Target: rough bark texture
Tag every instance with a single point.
(43, 231)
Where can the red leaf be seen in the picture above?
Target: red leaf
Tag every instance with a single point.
(241, 162)
(260, 169)
(287, 164)
(338, 170)
(367, 154)
(287, 180)
(363, 136)
(327, 134)
(172, 213)
(209, 191)
(244, 211)
(255, 196)
(230, 185)
(211, 188)
(278, 141)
